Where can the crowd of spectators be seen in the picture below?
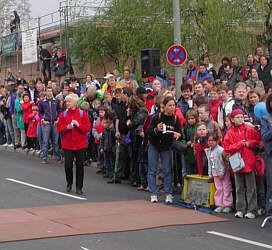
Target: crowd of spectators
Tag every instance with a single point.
(222, 122)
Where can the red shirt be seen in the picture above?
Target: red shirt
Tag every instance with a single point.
(75, 138)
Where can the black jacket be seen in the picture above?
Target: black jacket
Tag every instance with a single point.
(265, 75)
(107, 142)
(161, 141)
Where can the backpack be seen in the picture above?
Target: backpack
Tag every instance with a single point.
(66, 110)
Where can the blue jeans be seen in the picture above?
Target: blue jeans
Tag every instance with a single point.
(40, 136)
(9, 131)
(47, 130)
(268, 174)
(166, 159)
(109, 162)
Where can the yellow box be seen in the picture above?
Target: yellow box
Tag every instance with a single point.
(197, 190)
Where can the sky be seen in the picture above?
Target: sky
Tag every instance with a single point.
(43, 7)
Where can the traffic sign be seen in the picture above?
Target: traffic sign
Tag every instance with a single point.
(176, 55)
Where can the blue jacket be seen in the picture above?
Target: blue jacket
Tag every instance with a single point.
(49, 110)
(12, 102)
(202, 77)
(266, 132)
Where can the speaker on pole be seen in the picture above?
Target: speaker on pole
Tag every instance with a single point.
(150, 62)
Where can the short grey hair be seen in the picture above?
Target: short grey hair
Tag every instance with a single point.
(73, 97)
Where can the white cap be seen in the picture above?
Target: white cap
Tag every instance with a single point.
(108, 76)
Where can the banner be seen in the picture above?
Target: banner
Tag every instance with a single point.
(29, 46)
(9, 44)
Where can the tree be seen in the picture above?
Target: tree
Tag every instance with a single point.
(214, 27)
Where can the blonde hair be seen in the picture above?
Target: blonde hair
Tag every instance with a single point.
(85, 106)
(73, 97)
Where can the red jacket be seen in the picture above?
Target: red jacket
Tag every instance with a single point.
(150, 101)
(233, 143)
(179, 115)
(200, 154)
(32, 127)
(214, 108)
(27, 110)
(75, 138)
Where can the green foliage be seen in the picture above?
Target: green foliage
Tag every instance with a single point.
(216, 27)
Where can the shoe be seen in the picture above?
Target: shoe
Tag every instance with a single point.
(79, 191)
(11, 145)
(261, 211)
(250, 215)
(169, 198)
(154, 198)
(218, 210)
(141, 188)
(58, 161)
(17, 146)
(226, 210)
(44, 162)
(116, 181)
(133, 184)
(5, 145)
(106, 176)
(100, 171)
(146, 189)
(68, 188)
(239, 214)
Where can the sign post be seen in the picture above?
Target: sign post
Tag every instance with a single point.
(177, 40)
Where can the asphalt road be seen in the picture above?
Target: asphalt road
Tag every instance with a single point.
(28, 169)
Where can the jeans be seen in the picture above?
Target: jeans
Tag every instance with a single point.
(166, 158)
(109, 163)
(268, 174)
(23, 137)
(69, 156)
(40, 136)
(9, 131)
(47, 130)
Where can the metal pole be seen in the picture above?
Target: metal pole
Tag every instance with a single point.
(60, 11)
(177, 40)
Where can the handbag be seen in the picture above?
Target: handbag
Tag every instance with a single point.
(236, 162)
(178, 146)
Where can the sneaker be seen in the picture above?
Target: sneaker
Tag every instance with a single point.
(44, 162)
(5, 145)
(169, 198)
(227, 210)
(154, 198)
(250, 215)
(218, 210)
(11, 145)
(239, 214)
(141, 188)
(261, 211)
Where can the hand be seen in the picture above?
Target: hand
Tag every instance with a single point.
(75, 123)
(45, 122)
(176, 135)
(70, 126)
(160, 126)
(245, 143)
(189, 143)
(117, 134)
(128, 122)
(142, 133)
(101, 150)
(221, 177)
(55, 122)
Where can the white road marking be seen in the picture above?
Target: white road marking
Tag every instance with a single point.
(240, 239)
(84, 248)
(45, 189)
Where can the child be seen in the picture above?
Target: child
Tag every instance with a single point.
(241, 138)
(216, 170)
(214, 102)
(97, 132)
(107, 144)
(32, 130)
(107, 99)
(189, 160)
(199, 146)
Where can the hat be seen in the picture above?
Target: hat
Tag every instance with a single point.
(141, 91)
(19, 71)
(260, 110)
(108, 76)
(236, 112)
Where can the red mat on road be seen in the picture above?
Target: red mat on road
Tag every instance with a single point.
(91, 218)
